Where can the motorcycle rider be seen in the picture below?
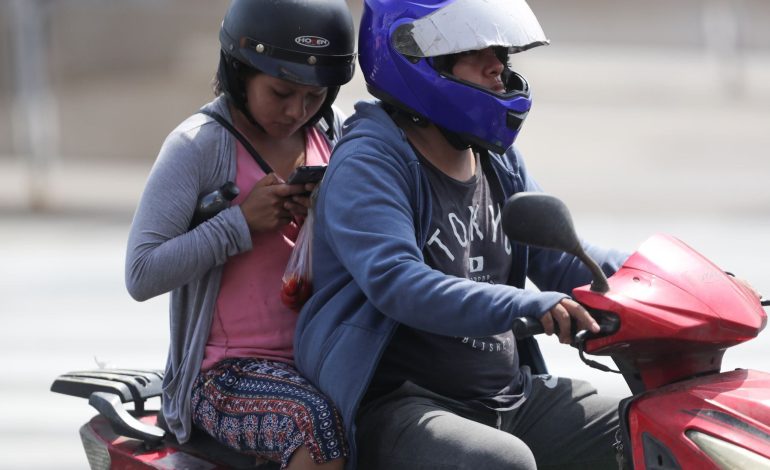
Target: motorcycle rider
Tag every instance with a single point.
(230, 369)
(416, 286)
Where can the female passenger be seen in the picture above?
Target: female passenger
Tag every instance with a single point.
(230, 370)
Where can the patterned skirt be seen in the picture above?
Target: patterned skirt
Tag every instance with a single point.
(265, 408)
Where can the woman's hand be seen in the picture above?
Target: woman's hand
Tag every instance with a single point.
(299, 204)
(562, 315)
(271, 205)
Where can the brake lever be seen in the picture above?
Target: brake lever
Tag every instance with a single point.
(609, 323)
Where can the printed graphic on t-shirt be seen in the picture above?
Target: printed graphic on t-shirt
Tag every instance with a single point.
(498, 344)
(466, 237)
(460, 245)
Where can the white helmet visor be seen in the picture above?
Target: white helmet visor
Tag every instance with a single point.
(467, 25)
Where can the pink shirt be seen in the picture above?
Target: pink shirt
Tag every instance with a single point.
(249, 319)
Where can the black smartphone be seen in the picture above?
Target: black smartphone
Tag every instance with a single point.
(306, 174)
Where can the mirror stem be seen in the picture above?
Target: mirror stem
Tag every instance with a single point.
(599, 282)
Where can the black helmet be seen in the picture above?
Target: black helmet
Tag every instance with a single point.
(310, 42)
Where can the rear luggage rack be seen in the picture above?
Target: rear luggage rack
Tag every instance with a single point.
(108, 389)
(131, 385)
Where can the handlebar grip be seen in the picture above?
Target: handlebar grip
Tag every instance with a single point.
(524, 327)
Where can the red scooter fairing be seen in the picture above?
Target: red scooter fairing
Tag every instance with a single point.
(678, 313)
(680, 421)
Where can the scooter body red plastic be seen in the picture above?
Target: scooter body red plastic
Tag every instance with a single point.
(132, 454)
(678, 313)
(732, 406)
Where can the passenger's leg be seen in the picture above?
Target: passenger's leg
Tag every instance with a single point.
(302, 460)
(265, 408)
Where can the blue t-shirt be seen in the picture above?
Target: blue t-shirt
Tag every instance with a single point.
(465, 239)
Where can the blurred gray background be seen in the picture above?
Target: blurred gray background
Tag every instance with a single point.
(649, 117)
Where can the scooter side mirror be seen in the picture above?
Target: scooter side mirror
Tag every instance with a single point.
(544, 221)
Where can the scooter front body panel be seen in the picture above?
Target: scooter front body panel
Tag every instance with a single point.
(677, 312)
(733, 407)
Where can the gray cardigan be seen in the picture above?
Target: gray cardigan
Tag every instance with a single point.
(162, 255)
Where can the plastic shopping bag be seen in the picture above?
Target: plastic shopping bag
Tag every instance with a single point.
(297, 281)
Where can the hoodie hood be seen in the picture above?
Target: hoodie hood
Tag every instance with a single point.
(370, 121)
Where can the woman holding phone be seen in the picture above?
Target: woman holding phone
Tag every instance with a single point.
(230, 370)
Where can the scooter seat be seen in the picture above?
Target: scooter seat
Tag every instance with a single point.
(201, 443)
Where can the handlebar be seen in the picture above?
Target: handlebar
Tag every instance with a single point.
(609, 323)
(524, 327)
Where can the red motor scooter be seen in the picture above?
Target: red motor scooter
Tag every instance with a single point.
(666, 318)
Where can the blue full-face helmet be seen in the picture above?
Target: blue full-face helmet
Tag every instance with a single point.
(401, 43)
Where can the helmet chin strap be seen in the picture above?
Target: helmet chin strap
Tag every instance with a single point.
(245, 111)
(234, 88)
(241, 106)
(454, 139)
